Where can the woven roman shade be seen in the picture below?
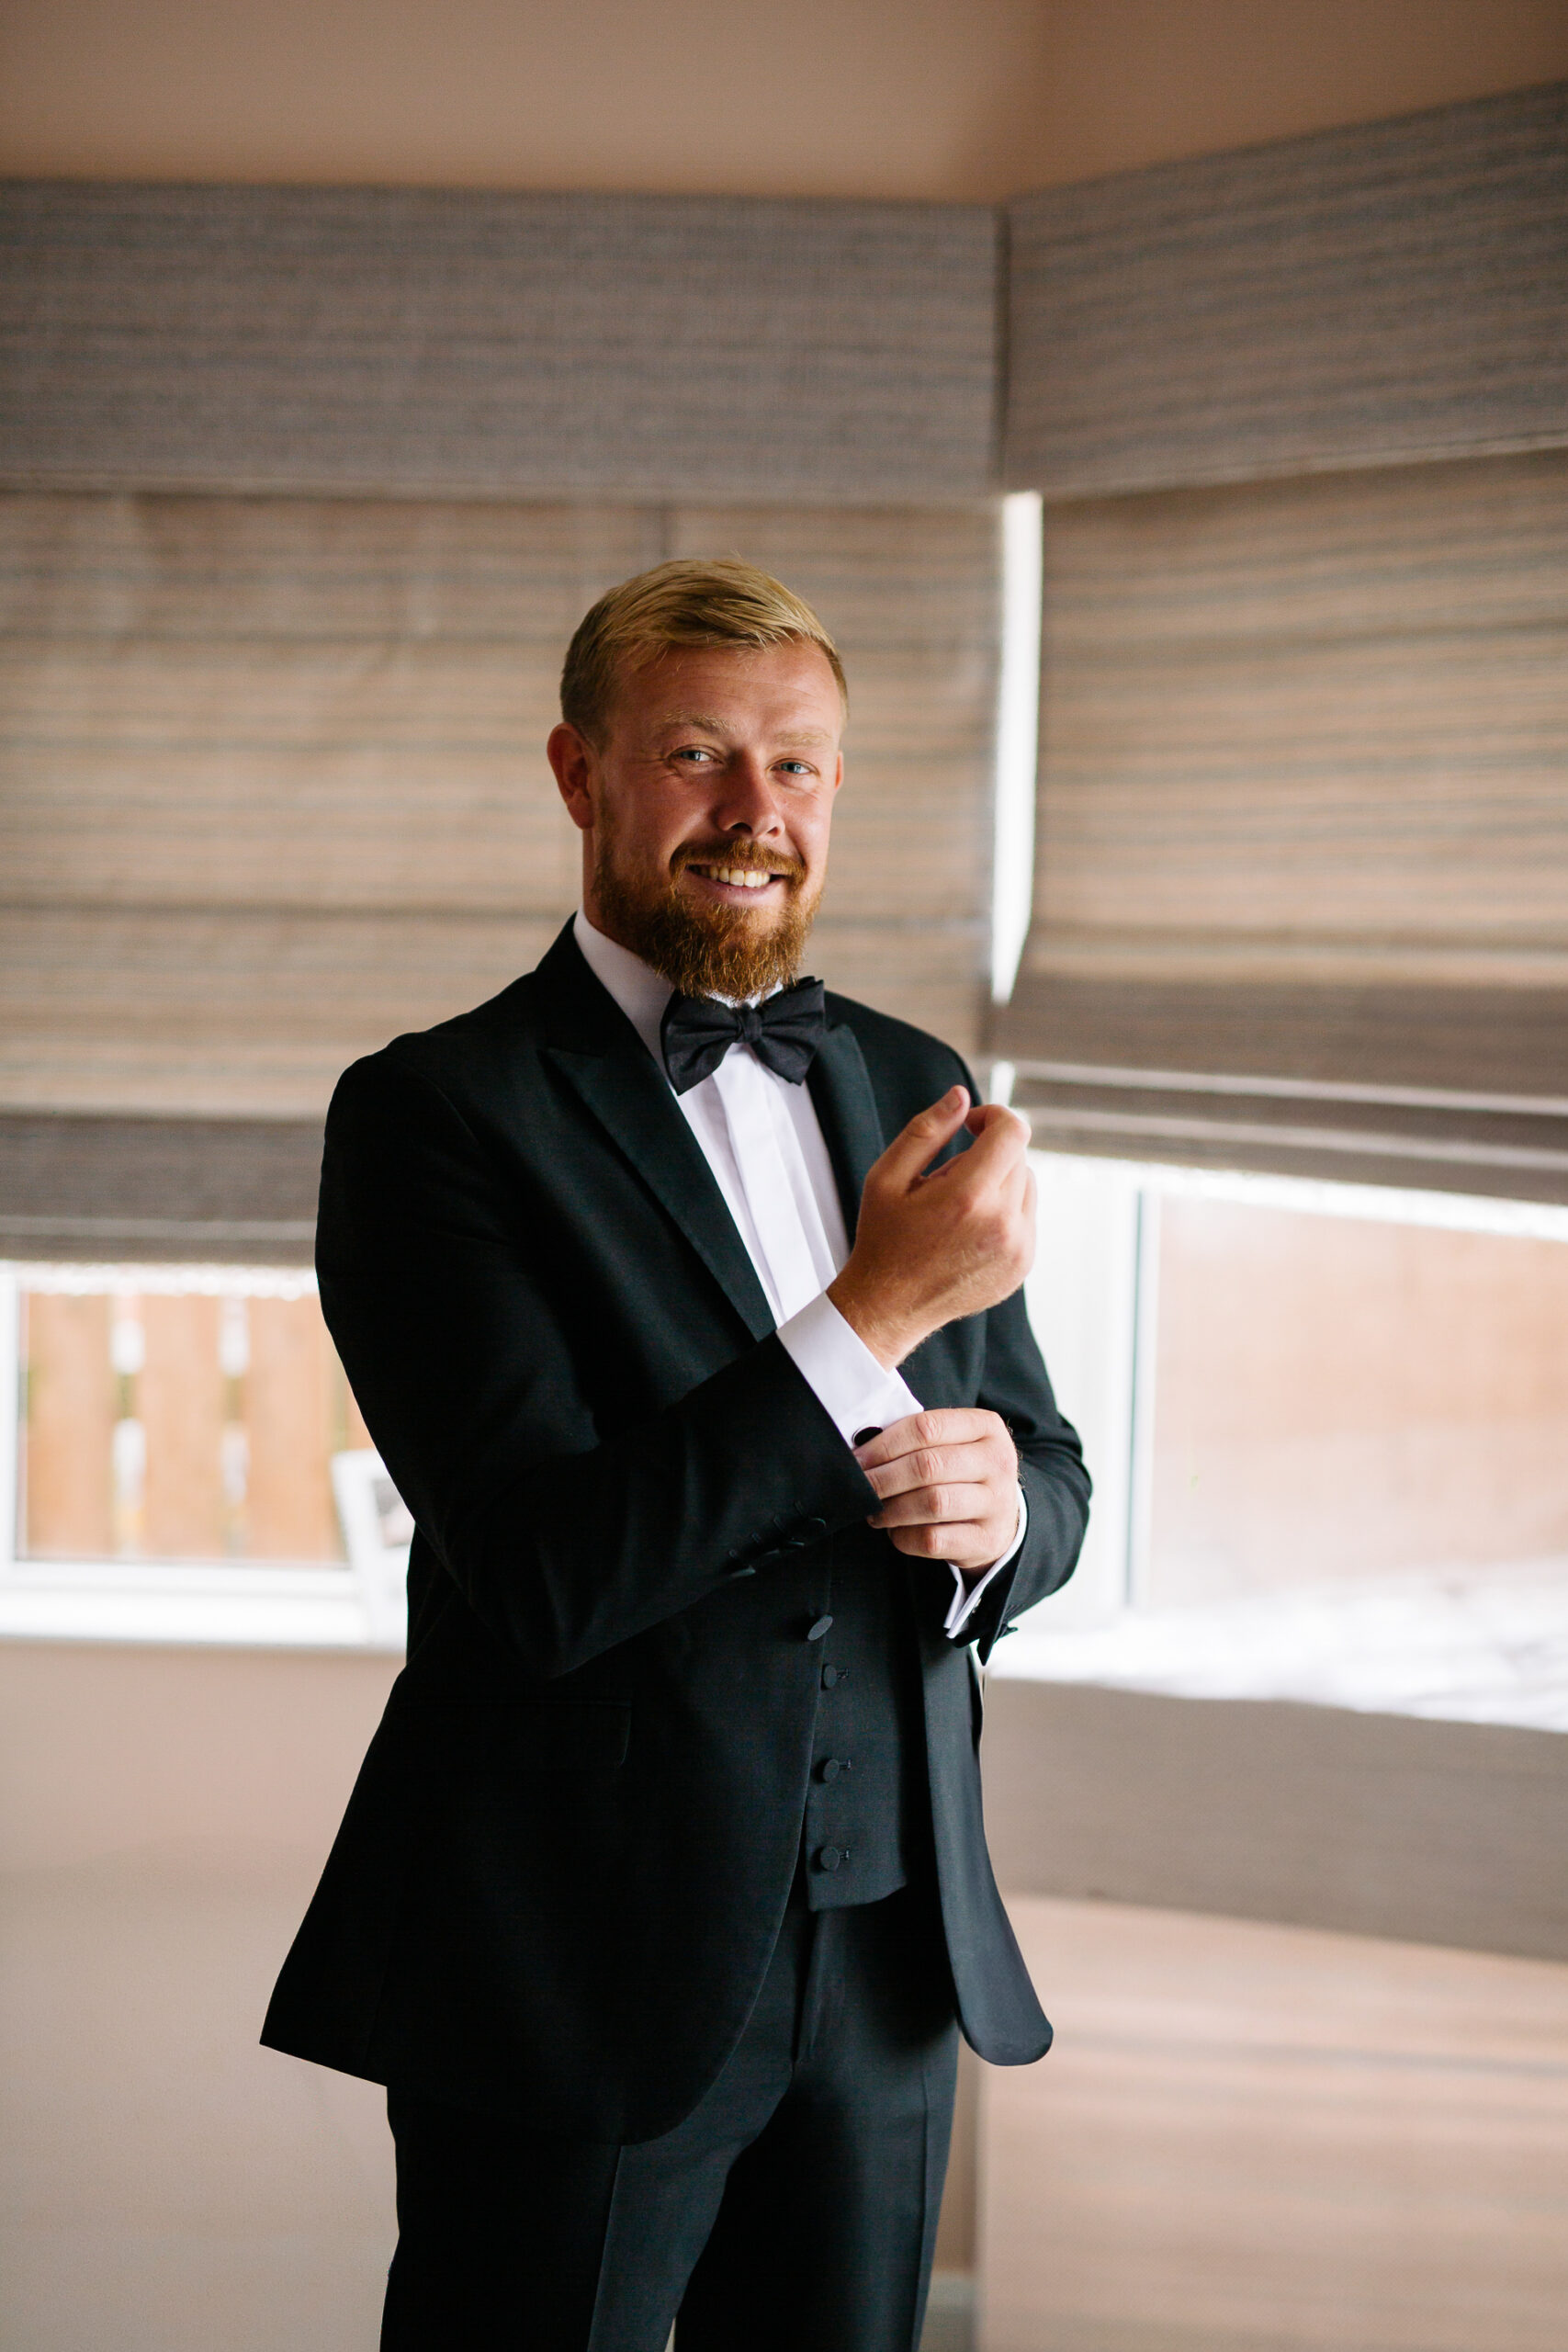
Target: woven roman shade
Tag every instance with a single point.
(1301, 894)
(407, 342)
(1361, 296)
(275, 790)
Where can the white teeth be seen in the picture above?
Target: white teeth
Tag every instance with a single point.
(738, 877)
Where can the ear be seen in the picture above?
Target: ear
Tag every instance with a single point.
(573, 759)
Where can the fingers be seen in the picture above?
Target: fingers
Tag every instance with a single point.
(1005, 1130)
(932, 1468)
(969, 1478)
(986, 1116)
(1000, 1143)
(946, 1506)
(1020, 1193)
(946, 1483)
(917, 1144)
(1000, 1137)
(973, 1545)
(946, 1425)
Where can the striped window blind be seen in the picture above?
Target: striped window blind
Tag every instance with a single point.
(1301, 894)
(275, 790)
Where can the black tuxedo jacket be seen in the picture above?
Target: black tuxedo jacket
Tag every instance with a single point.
(566, 1860)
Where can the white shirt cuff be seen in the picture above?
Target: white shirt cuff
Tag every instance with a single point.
(966, 1596)
(854, 1390)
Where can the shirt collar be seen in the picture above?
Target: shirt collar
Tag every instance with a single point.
(636, 987)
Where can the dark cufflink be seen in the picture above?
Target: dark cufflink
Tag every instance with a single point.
(863, 1437)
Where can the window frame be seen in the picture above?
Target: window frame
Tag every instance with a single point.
(1104, 1364)
(234, 1604)
(1099, 1343)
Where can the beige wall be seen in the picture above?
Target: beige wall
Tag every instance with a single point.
(953, 99)
(165, 2184)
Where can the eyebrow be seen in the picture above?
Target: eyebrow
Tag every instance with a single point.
(708, 725)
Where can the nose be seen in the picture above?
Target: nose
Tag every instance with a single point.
(745, 803)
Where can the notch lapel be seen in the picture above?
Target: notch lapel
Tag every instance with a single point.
(599, 1054)
(840, 1086)
(631, 1101)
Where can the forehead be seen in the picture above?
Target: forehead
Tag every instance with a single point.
(772, 690)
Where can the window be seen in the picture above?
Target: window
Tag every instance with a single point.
(188, 1456)
(1328, 1429)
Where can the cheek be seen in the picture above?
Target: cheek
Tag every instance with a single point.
(812, 835)
(645, 836)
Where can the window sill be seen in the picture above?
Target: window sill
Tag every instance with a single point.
(279, 1608)
(1458, 1646)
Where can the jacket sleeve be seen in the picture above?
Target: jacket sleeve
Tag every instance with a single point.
(1050, 1471)
(450, 1326)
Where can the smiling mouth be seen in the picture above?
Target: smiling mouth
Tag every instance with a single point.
(738, 877)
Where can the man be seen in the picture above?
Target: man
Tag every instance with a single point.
(684, 1306)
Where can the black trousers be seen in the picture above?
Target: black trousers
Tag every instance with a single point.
(795, 2210)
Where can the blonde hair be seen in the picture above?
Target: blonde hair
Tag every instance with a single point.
(686, 602)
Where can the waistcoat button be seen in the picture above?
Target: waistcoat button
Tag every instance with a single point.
(814, 1633)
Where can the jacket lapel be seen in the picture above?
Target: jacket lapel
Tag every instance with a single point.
(840, 1086)
(605, 1063)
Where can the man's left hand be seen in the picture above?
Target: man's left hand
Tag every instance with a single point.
(948, 1482)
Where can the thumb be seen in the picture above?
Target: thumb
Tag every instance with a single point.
(917, 1144)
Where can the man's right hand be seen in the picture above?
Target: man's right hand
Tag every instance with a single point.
(931, 1247)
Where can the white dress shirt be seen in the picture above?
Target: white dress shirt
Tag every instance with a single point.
(760, 1137)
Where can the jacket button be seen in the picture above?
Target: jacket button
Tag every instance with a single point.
(831, 1674)
(814, 1633)
(832, 1766)
(828, 1858)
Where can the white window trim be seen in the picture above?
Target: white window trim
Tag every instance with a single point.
(1017, 737)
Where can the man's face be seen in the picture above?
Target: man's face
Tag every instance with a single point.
(706, 812)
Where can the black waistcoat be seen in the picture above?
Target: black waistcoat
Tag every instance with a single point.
(867, 1813)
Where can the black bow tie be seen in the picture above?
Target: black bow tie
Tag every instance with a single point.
(784, 1032)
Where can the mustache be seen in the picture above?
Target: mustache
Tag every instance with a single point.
(739, 857)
